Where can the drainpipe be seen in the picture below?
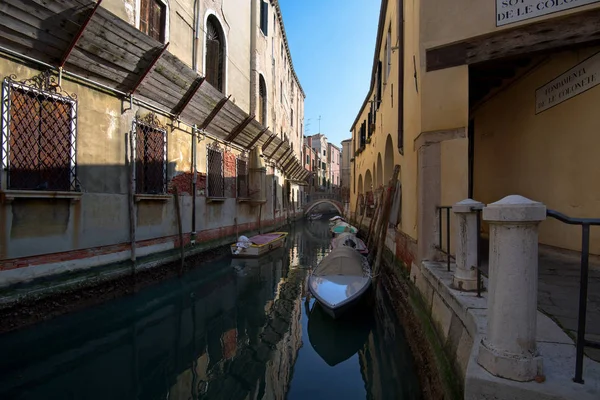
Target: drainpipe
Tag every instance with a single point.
(253, 57)
(194, 181)
(132, 219)
(195, 38)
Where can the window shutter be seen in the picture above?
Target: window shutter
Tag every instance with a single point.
(264, 17)
(144, 16)
(378, 84)
(212, 62)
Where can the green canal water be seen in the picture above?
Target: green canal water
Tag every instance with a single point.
(230, 329)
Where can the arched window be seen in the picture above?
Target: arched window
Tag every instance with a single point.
(262, 101)
(215, 53)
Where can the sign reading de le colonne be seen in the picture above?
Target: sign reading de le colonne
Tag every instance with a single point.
(577, 80)
(510, 11)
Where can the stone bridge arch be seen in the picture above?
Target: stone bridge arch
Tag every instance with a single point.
(310, 206)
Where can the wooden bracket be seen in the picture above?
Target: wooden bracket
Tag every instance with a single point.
(213, 113)
(253, 142)
(238, 129)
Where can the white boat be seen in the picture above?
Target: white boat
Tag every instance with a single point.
(258, 245)
(334, 220)
(313, 217)
(340, 280)
(350, 240)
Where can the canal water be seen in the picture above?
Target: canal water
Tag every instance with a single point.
(229, 329)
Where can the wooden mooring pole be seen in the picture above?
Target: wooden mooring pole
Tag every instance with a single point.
(387, 206)
(180, 227)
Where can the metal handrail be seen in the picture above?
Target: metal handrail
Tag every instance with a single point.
(581, 342)
(439, 246)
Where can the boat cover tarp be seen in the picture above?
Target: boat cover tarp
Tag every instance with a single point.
(347, 236)
(341, 261)
(341, 227)
(266, 238)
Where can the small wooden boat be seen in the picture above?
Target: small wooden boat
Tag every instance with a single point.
(349, 240)
(258, 245)
(314, 217)
(340, 280)
(334, 220)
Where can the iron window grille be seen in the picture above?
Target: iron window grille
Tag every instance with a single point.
(215, 183)
(242, 177)
(39, 134)
(150, 155)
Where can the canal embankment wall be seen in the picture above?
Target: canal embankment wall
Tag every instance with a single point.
(67, 289)
(446, 328)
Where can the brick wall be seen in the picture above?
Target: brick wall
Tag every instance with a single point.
(229, 162)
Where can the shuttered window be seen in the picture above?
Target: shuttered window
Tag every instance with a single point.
(264, 17)
(153, 15)
(378, 84)
(262, 103)
(215, 51)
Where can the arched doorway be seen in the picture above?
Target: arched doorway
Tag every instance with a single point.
(380, 171)
(388, 159)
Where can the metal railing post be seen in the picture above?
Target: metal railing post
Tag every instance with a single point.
(448, 236)
(478, 253)
(583, 288)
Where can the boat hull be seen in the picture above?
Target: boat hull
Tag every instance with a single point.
(323, 287)
(255, 251)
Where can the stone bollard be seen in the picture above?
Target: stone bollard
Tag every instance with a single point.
(509, 349)
(465, 276)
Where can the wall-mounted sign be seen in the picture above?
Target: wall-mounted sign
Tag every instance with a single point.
(511, 11)
(575, 81)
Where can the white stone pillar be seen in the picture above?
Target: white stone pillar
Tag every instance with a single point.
(465, 276)
(509, 349)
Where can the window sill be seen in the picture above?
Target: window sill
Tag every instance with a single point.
(151, 197)
(215, 199)
(8, 196)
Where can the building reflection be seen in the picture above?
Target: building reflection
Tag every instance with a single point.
(229, 332)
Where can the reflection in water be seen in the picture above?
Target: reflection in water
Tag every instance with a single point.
(232, 329)
(336, 341)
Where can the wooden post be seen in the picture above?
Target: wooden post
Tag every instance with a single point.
(373, 222)
(178, 211)
(377, 226)
(364, 212)
(259, 217)
(387, 206)
(132, 219)
(356, 211)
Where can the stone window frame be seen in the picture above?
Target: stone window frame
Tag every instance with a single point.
(44, 85)
(166, 23)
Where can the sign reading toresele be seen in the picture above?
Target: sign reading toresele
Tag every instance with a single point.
(511, 11)
(577, 80)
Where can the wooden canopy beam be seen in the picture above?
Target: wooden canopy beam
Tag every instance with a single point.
(552, 34)
(292, 170)
(285, 155)
(148, 69)
(214, 113)
(253, 142)
(238, 129)
(190, 95)
(286, 162)
(77, 36)
(268, 142)
(276, 148)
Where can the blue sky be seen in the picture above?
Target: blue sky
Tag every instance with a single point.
(332, 44)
